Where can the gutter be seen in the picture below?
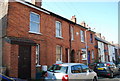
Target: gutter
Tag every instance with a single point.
(32, 6)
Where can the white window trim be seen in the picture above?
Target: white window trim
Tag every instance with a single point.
(38, 53)
(61, 54)
(60, 36)
(82, 34)
(84, 54)
(93, 56)
(72, 33)
(35, 22)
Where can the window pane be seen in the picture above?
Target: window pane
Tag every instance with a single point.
(84, 68)
(34, 22)
(72, 33)
(38, 55)
(58, 29)
(34, 27)
(58, 53)
(76, 69)
(34, 17)
(82, 36)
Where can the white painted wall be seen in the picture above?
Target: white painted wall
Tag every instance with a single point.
(111, 50)
(101, 51)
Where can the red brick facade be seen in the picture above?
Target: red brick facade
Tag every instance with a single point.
(18, 26)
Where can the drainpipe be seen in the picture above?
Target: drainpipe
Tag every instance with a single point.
(70, 44)
(86, 46)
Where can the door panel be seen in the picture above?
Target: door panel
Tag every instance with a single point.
(24, 61)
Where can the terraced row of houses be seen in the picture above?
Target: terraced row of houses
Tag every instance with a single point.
(33, 36)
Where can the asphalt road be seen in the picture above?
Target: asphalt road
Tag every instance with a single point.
(116, 78)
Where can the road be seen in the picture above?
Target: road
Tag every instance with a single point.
(116, 78)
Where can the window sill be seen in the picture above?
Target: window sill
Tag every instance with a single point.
(84, 59)
(35, 33)
(59, 37)
(82, 42)
(38, 65)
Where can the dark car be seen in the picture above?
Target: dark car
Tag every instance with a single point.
(118, 65)
(106, 69)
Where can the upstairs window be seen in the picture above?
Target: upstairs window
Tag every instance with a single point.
(82, 36)
(91, 38)
(93, 54)
(34, 22)
(72, 33)
(58, 29)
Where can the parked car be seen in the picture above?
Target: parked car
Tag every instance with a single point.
(106, 69)
(5, 78)
(71, 72)
(118, 65)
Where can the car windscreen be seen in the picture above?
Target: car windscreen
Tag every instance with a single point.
(58, 69)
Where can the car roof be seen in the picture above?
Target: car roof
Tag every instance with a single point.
(71, 64)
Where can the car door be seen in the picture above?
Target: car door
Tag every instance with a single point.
(75, 73)
(88, 75)
(116, 69)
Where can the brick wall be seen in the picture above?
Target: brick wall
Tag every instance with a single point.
(18, 26)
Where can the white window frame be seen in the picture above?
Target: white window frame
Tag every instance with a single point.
(84, 55)
(58, 29)
(38, 23)
(38, 55)
(93, 54)
(82, 34)
(60, 53)
(72, 33)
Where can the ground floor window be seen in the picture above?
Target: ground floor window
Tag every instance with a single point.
(84, 55)
(38, 54)
(58, 53)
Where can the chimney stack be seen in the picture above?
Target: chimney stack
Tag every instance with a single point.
(74, 19)
(103, 37)
(83, 23)
(38, 3)
(98, 35)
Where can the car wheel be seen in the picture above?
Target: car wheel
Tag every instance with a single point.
(94, 79)
(111, 75)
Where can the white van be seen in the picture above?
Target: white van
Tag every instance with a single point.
(70, 72)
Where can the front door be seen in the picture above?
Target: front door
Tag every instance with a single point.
(88, 57)
(66, 51)
(24, 62)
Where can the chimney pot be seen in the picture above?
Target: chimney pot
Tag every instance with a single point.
(38, 3)
(83, 24)
(74, 19)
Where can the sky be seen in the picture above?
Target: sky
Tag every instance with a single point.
(103, 16)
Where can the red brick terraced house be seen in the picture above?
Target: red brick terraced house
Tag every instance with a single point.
(33, 36)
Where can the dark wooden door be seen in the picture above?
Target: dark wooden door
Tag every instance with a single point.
(24, 62)
(66, 50)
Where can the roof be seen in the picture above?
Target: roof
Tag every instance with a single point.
(51, 13)
(102, 40)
